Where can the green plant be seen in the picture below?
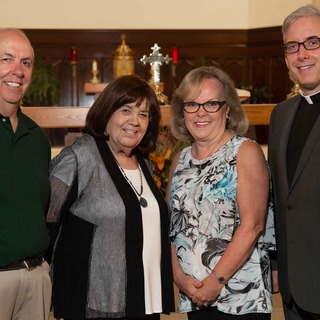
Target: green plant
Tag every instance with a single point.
(44, 89)
(258, 95)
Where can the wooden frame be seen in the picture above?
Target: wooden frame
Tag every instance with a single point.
(74, 117)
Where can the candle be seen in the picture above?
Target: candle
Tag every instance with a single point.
(174, 53)
(94, 66)
(73, 54)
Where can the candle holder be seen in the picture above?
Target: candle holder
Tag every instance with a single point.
(95, 78)
(162, 98)
(174, 54)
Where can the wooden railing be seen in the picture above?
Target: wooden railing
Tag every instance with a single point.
(74, 117)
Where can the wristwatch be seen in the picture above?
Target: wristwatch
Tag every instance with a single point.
(221, 279)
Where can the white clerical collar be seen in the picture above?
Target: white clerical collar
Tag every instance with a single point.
(308, 98)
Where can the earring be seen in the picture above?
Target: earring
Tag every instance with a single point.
(228, 118)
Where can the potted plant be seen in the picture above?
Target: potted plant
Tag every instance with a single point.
(44, 89)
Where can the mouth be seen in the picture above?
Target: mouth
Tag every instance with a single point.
(202, 123)
(130, 131)
(305, 67)
(13, 84)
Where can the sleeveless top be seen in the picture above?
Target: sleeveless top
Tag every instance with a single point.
(204, 217)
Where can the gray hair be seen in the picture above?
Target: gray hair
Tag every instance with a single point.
(192, 83)
(304, 11)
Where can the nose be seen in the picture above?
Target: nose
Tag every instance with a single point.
(18, 70)
(134, 119)
(302, 52)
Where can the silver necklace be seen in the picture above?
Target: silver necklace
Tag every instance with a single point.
(142, 200)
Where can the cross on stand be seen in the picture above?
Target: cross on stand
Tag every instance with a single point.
(156, 59)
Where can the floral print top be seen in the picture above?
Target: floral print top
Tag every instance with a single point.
(204, 217)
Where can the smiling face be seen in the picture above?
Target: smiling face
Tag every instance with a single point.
(127, 127)
(16, 64)
(202, 125)
(305, 64)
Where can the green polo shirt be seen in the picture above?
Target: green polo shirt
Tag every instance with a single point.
(24, 190)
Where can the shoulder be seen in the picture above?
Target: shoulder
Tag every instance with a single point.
(78, 152)
(250, 148)
(286, 104)
(38, 135)
(251, 156)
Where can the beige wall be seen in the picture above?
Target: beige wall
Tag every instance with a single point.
(271, 13)
(146, 14)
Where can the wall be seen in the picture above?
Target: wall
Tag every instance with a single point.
(146, 14)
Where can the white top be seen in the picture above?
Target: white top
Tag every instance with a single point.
(151, 244)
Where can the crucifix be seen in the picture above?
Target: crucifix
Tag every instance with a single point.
(156, 59)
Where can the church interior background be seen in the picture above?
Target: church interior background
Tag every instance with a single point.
(82, 47)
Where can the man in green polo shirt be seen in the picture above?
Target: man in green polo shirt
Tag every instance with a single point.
(25, 286)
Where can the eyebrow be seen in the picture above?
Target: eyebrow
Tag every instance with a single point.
(131, 107)
(309, 38)
(8, 54)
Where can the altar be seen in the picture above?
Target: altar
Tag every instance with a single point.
(74, 117)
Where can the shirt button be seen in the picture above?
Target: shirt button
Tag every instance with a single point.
(3, 120)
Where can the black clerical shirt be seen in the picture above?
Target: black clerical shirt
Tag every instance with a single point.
(303, 123)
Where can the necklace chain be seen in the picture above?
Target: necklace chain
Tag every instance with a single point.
(131, 184)
(210, 154)
(143, 201)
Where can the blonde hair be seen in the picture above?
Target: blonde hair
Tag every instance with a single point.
(192, 83)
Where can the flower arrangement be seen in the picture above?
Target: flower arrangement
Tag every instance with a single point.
(166, 149)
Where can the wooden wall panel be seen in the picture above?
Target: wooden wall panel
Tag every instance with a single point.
(250, 56)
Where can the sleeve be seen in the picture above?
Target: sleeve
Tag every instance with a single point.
(64, 190)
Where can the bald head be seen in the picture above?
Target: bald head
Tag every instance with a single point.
(9, 31)
(16, 66)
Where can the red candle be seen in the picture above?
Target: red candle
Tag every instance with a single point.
(73, 54)
(174, 53)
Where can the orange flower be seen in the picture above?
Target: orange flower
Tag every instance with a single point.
(160, 160)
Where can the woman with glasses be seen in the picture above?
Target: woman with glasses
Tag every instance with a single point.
(218, 192)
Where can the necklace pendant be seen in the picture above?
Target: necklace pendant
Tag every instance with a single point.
(143, 202)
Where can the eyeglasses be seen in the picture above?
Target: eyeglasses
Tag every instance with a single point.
(309, 44)
(210, 106)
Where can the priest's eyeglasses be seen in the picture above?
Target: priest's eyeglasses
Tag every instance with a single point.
(309, 44)
(210, 106)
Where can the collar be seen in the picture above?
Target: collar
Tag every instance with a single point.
(311, 99)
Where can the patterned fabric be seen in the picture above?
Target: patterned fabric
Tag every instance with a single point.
(204, 219)
(97, 265)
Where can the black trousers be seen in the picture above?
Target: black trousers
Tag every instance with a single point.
(212, 313)
(155, 316)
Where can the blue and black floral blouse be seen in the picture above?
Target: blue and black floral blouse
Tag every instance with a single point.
(204, 218)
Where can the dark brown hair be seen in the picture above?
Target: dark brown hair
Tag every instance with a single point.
(121, 91)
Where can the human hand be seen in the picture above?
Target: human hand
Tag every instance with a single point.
(188, 285)
(208, 292)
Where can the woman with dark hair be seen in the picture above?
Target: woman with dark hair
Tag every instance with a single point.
(107, 218)
(218, 191)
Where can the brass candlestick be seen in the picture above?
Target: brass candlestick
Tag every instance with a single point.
(95, 79)
(95, 72)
